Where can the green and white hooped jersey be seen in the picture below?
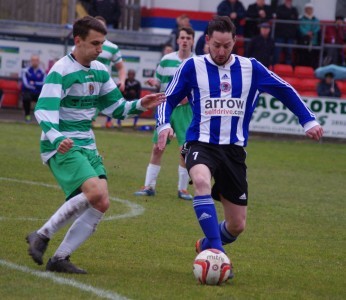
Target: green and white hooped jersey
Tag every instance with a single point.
(167, 67)
(68, 102)
(110, 54)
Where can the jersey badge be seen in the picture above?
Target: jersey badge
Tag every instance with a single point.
(225, 86)
(91, 89)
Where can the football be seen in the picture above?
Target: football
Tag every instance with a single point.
(212, 267)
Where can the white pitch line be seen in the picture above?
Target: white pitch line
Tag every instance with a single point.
(135, 209)
(64, 281)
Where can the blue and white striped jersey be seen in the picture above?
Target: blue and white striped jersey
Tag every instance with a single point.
(223, 98)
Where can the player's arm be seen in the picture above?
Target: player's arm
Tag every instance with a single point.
(120, 66)
(271, 83)
(47, 109)
(156, 81)
(114, 105)
(26, 78)
(153, 82)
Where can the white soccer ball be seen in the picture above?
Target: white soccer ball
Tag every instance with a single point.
(212, 267)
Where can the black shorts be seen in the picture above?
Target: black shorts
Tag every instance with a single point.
(226, 164)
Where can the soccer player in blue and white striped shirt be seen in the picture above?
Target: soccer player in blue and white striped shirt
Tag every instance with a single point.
(223, 91)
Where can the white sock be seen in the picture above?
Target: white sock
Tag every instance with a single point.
(79, 232)
(151, 175)
(183, 178)
(69, 211)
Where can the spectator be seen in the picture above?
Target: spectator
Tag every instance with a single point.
(257, 13)
(336, 35)
(110, 10)
(236, 11)
(309, 29)
(328, 87)
(200, 45)
(274, 5)
(183, 21)
(168, 48)
(262, 46)
(32, 81)
(285, 33)
(132, 91)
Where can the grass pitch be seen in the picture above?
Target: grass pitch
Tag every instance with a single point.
(293, 246)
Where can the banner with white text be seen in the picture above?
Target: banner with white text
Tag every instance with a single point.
(271, 116)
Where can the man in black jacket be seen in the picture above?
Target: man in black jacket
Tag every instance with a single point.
(262, 46)
(285, 33)
(110, 10)
(257, 13)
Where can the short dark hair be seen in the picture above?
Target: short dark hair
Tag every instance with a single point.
(100, 18)
(221, 24)
(82, 26)
(188, 30)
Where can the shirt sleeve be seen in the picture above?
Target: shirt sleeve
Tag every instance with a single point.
(47, 108)
(177, 90)
(113, 104)
(272, 84)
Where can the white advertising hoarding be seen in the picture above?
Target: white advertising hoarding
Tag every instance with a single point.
(14, 55)
(271, 116)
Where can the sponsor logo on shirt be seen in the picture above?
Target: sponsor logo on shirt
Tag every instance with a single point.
(224, 107)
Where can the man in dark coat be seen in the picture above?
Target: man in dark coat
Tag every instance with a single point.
(110, 10)
(262, 46)
(285, 33)
(257, 13)
(236, 11)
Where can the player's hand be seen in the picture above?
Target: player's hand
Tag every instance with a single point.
(163, 136)
(152, 82)
(315, 132)
(65, 146)
(184, 101)
(152, 100)
(121, 86)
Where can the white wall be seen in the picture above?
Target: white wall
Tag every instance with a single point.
(325, 9)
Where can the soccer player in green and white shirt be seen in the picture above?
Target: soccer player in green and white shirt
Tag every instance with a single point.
(180, 120)
(75, 87)
(111, 54)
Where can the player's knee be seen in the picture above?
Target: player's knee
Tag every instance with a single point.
(157, 152)
(99, 199)
(201, 182)
(236, 228)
